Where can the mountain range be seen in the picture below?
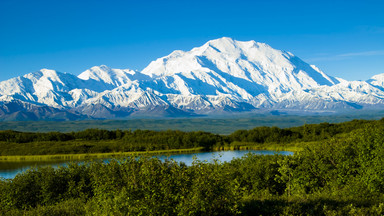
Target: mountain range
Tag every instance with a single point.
(223, 76)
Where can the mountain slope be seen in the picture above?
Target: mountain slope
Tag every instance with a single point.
(46, 87)
(238, 71)
(222, 76)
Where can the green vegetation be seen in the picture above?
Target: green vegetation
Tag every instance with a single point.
(220, 125)
(340, 173)
(235, 145)
(99, 143)
(95, 142)
(88, 156)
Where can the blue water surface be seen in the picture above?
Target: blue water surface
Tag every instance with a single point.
(9, 170)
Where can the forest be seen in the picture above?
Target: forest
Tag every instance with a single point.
(106, 141)
(339, 174)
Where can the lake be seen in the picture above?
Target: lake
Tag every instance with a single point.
(11, 169)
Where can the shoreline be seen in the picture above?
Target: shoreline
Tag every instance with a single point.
(56, 157)
(292, 147)
(295, 147)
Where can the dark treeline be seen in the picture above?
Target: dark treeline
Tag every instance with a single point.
(308, 132)
(342, 175)
(187, 139)
(103, 141)
(311, 132)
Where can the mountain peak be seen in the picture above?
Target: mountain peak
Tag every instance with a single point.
(230, 42)
(222, 40)
(96, 73)
(107, 75)
(222, 74)
(251, 61)
(101, 67)
(47, 73)
(224, 44)
(377, 80)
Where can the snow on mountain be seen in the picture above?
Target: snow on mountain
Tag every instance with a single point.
(46, 87)
(223, 75)
(250, 61)
(240, 70)
(377, 81)
(110, 78)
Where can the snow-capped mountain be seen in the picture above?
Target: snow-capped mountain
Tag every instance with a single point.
(223, 75)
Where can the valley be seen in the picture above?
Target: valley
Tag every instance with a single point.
(335, 169)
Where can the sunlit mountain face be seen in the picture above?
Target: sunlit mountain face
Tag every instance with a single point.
(221, 77)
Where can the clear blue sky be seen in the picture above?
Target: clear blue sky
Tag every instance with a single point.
(343, 38)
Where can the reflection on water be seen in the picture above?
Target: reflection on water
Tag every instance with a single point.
(223, 156)
(11, 169)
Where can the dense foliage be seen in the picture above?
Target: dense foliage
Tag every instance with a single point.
(103, 141)
(341, 175)
(312, 132)
(213, 125)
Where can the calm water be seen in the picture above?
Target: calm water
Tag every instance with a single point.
(10, 169)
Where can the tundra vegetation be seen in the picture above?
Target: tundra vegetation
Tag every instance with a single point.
(338, 171)
(106, 141)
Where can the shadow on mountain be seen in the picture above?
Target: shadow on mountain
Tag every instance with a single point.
(17, 111)
(250, 87)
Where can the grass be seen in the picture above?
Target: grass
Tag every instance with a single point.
(218, 125)
(56, 157)
(293, 147)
